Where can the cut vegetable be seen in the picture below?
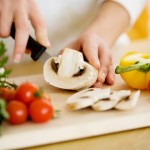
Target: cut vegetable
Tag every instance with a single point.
(130, 102)
(69, 71)
(86, 98)
(103, 99)
(115, 97)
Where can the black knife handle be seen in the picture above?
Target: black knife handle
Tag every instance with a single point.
(36, 48)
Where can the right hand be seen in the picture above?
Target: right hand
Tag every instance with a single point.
(20, 12)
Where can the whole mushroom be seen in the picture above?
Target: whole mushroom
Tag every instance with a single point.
(69, 71)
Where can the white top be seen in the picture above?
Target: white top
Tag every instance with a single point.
(65, 19)
(133, 7)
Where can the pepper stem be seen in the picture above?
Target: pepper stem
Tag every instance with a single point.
(143, 67)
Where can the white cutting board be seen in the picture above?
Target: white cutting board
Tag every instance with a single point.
(74, 124)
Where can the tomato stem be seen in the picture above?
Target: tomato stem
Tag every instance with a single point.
(143, 67)
(56, 113)
(3, 113)
(7, 84)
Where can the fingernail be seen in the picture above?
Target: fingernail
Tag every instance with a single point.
(97, 65)
(113, 80)
(43, 39)
(47, 43)
(103, 76)
(98, 84)
(17, 58)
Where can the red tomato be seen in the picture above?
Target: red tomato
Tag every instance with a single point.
(148, 87)
(7, 94)
(17, 112)
(25, 92)
(40, 110)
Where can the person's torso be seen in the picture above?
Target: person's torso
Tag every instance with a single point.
(65, 19)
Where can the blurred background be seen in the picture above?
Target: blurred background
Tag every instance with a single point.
(64, 27)
(141, 29)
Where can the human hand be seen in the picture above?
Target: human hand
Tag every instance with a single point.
(20, 12)
(98, 54)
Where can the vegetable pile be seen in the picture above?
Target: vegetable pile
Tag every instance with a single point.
(19, 103)
(27, 101)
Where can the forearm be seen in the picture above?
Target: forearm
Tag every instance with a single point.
(110, 22)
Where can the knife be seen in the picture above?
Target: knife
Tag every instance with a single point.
(38, 51)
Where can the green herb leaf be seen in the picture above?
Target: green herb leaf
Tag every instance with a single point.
(3, 71)
(2, 48)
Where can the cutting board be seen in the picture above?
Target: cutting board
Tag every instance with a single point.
(74, 124)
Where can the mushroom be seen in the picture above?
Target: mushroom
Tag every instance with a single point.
(109, 103)
(103, 99)
(86, 98)
(69, 71)
(129, 102)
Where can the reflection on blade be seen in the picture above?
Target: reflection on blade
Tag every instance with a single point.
(44, 57)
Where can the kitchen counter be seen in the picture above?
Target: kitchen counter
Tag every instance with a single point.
(137, 139)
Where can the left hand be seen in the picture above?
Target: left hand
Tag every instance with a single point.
(98, 54)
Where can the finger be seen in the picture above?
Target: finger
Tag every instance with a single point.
(6, 19)
(105, 61)
(111, 75)
(97, 84)
(90, 51)
(21, 36)
(39, 25)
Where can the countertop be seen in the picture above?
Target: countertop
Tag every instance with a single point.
(137, 139)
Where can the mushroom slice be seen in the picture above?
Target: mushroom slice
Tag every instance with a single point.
(86, 98)
(129, 102)
(115, 97)
(69, 71)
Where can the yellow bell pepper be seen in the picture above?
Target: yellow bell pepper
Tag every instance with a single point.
(134, 69)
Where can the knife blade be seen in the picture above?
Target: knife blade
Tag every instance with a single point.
(38, 51)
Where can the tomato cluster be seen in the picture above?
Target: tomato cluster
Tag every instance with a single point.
(27, 102)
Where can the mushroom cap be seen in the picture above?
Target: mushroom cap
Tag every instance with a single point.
(73, 82)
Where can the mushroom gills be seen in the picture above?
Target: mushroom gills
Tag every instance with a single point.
(130, 102)
(109, 103)
(54, 65)
(86, 98)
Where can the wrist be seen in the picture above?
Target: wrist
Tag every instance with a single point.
(94, 33)
(111, 21)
